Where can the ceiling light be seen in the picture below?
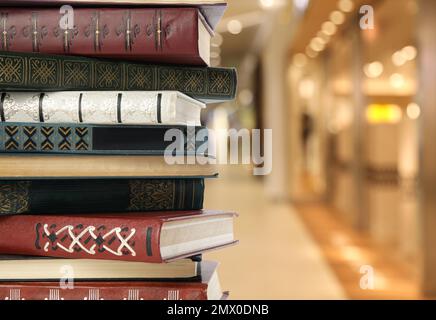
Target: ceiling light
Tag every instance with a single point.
(346, 5)
(373, 70)
(413, 111)
(398, 59)
(300, 60)
(337, 17)
(234, 26)
(410, 53)
(311, 53)
(317, 44)
(397, 80)
(329, 28)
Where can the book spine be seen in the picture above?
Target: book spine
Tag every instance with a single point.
(82, 237)
(74, 107)
(101, 291)
(97, 140)
(99, 195)
(40, 72)
(163, 35)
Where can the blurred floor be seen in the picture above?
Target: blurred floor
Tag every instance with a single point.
(277, 258)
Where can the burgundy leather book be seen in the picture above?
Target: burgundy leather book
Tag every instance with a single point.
(208, 288)
(158, 35)
(153, 238)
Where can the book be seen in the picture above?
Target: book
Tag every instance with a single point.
(41, 72)
(100, 139)
(53, 196)
(159, 35)
(94, 107)
(154, 238)
(32, 269)
(212, 10)
(73, 166)
(208, 288)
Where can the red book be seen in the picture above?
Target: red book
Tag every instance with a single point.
(207, 289)
(149, 237)
(161, 35)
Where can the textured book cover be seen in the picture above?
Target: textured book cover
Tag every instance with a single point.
(212, 10)
(208, 288)
(159, 35)
(152, 238)
(40, 72)
(52, 196)
(99, 140)
(101, 107)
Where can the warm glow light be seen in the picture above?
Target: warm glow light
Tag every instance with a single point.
(234, 26)
(317, 44)
(413, 111)
(383, 113)
(301, 5)
(337, 17)
(399, 59)
(217, 40)
(397, 81)
(266, 3)
(410, 53)
(306, 89)
(300, 60)
(323, 36)
(373, 70)
(311, 53)
(346, 5)
(329, 28)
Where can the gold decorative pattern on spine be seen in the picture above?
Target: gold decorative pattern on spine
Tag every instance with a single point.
(147, 195)
(14, 197)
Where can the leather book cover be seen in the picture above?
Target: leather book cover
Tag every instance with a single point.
(134, 290)
(96, 139)
(51, 196)
(212, 10)
(41, 72)
(108, 237)
(159, 35)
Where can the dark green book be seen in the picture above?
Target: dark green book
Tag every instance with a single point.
(69, 196)
(98, 139)
(40, 72)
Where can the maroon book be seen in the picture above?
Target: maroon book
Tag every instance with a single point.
(159, 35)
(207, 289)
(152, 237)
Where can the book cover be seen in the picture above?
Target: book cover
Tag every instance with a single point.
(96, 107)
(51, 196)
(208, 288)
(99, 139)
(153, 238)
(41, 72)
(159, 35)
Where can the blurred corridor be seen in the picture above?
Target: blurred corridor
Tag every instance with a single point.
(347, 88)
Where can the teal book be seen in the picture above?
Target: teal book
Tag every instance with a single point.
(40, 72)
(52, 138)
(69, 196)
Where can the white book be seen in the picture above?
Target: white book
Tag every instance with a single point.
(101, 107)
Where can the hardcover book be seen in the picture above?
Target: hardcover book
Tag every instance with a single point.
(212, 10)
(152, 238)
(51, 196)
(94, 139)
(72, 166)
(159, 35)
(208, 288)
(32, 269)
(40, 72)
(95, 107)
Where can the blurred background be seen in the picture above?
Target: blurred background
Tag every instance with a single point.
(348, 88)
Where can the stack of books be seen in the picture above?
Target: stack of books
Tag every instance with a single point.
(90, 207)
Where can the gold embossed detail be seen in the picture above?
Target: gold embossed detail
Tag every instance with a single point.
(108, 76)
(14, 197)
(77, 74)
(171, 79)
(194, 82)
(43, 71)
(151, 195)
(220, 83)
(11, 70)
(140, 78)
